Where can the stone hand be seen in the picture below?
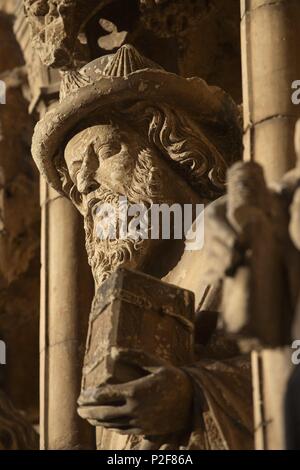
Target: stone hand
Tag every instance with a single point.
(228, 247)
(223, 250)
(249, 247)
(158, 403)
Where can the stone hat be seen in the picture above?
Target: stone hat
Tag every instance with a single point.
(120, 77)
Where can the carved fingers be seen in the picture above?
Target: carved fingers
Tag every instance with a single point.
(116, 417)
(157, 403)
(223, 250)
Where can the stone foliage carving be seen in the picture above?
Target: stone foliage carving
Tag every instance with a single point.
(55, 27)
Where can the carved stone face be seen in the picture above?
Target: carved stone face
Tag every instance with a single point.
(105, 162)
(100, 156)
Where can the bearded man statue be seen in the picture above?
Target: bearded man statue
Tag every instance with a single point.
(125, 127)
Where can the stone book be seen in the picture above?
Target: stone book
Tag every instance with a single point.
(136, 312)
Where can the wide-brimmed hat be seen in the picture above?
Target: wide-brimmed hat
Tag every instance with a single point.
(127, 76)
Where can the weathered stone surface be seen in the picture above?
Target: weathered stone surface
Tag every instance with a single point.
(55, 27)
(270, 66)
(136, 312)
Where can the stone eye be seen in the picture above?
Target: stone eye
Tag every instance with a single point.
(109, 150)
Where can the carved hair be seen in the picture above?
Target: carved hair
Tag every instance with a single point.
(186, 147)
(179, 139)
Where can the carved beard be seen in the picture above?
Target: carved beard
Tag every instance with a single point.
(105, 256)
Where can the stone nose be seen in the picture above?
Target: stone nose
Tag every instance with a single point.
(85, 180)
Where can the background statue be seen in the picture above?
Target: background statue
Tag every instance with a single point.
(254, 235)
(126, 127)
(254, 242)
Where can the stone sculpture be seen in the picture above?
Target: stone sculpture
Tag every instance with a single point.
(253, 239)
(55, 27)
(257, 256)
(126, 127)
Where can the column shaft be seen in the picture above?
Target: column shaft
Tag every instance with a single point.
(270, 34)
(66, 294)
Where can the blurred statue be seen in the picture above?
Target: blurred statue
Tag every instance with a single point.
(254, 242)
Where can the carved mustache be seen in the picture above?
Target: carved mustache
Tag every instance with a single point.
(92, 203)
(99, 195)
(105, 196)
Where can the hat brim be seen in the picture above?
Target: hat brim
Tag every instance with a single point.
(193, 95)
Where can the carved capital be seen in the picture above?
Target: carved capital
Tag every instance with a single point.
(55, 27)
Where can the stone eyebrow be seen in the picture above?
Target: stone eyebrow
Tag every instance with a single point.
(98, 145)
(109, 143)
(76, 161)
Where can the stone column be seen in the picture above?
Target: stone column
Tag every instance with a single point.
(67, 290)
(270, 62)
(66, 294)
